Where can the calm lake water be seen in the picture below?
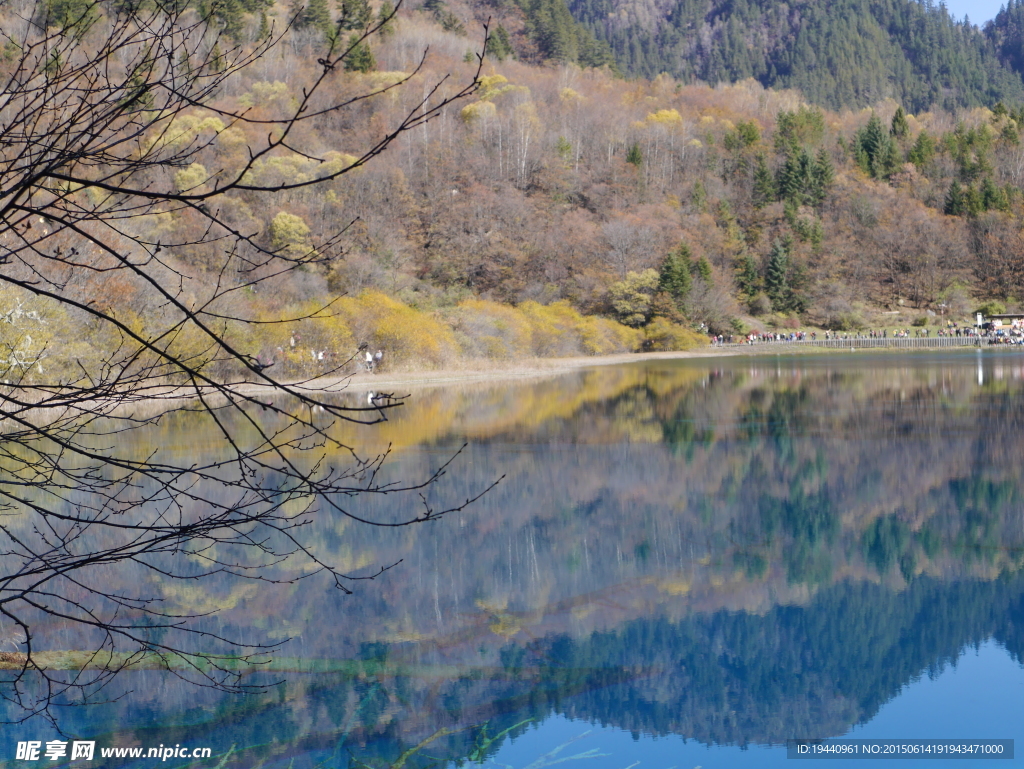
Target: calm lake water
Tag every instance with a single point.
(686, 564)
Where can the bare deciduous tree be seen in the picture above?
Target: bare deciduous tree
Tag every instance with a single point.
(106, 117)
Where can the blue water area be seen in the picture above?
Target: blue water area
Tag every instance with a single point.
(980, 696)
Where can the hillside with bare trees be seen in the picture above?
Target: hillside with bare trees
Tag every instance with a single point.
(562, 209)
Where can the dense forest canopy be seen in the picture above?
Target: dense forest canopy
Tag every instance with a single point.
(850, 53)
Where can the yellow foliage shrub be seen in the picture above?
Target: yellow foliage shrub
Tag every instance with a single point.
(407, 336)
(335, 162)
(491, 330)
(559, 330)
(663, 335)
(280, 169)
(182, 130)
(263, 93)
(603, 336)
(665, 116)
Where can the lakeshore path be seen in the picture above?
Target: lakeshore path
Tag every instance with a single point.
(532, 368)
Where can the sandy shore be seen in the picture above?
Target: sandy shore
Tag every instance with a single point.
(534, 368)
(527, 368)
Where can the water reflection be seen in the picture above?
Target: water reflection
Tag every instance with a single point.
(735, 552)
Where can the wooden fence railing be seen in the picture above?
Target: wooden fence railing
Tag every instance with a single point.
(923, 342)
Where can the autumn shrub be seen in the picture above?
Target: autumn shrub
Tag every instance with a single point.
(490, 330)
(603, 336)
(662, 335)
(919, 322)
(558, 329)
(553, 328)
(760, 305)
(408, 337)
(848, 321)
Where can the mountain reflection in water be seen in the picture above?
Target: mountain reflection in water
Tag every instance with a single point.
(733, 551)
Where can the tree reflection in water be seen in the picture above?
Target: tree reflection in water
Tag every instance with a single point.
(737, 552)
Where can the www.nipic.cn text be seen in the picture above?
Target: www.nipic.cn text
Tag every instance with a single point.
(84, 750)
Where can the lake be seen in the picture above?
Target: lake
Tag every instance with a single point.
(686, 563)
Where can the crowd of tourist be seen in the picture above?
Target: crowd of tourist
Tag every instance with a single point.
(989, 332)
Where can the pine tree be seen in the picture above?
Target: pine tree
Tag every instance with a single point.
(973, 201)
(889, 162)
(499, 45)
(635, 155)
(702, 270)
(354, 14)
(899, 127)
(823, 174)
(922, 151)
(674, 277)
(386, 20)
(747, 277)
(360, 57)
(699, 196)
(787, 179)
(776, 282)
(316, 15)
(956, 202)
(992, 197)
(877, 153)
(764, 185)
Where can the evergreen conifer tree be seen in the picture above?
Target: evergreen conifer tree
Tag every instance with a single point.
(922, 151)
(823, 174)
(499, 45)
(315, 15)
(699, 196)
(361, 57)
(748, 278)
(702, 270)
(790, 180)
(674, 277)
(973, 201)
(354, 15)
(992, 197)
(764, 185)
(386, 19)
(956, 202)
(776, 282)
(877, 154)
(899, 127)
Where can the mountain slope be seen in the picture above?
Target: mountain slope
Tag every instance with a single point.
(847, 53)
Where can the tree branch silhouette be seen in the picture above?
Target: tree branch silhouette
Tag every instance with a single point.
(98, 115)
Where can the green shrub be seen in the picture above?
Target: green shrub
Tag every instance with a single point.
(991, 307)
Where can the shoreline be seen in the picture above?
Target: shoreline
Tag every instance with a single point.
(483, 371)
(535, 368)
(474, 372)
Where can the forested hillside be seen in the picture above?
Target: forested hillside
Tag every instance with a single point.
(846, 53)
(566, 210)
